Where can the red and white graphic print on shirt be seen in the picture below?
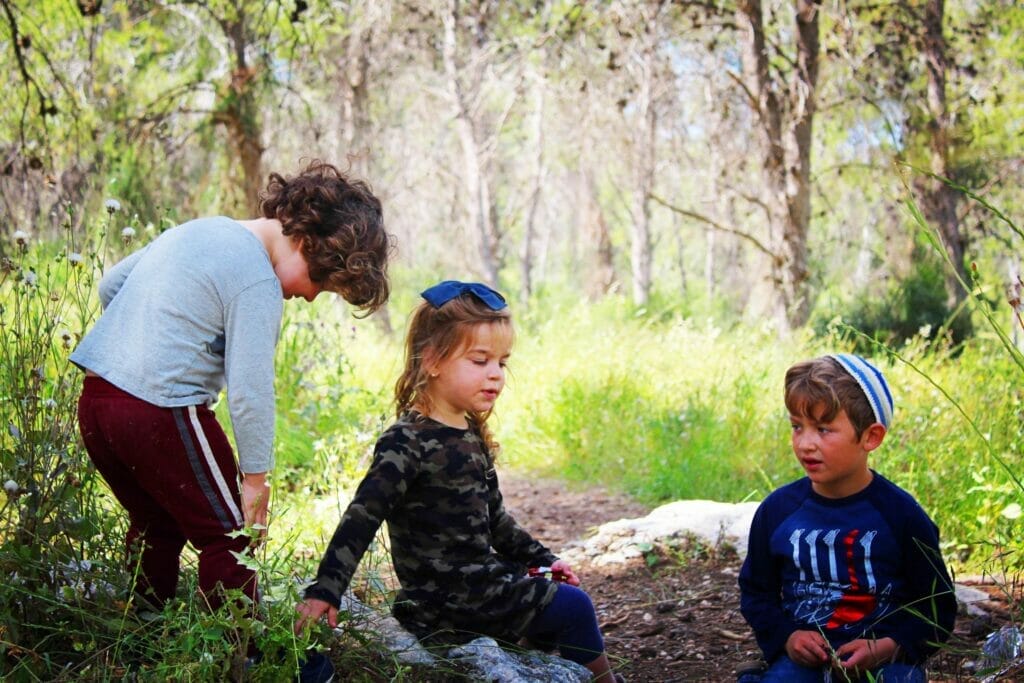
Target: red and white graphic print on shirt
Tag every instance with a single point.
(828, 600)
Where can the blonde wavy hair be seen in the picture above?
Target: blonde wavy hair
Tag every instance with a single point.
(442, 332)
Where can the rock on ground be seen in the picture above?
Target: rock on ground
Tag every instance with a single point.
(498, 665)
(482, 656)
(709, 521)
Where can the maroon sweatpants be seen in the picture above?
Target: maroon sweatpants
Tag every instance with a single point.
(174, 472)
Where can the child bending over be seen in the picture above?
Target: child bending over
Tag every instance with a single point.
(197, 309)
(461, 559)
(843, 573)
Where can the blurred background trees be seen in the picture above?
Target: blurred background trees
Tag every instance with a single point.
(746, 159)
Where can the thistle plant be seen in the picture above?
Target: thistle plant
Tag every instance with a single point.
(53, 553)
(65, 610)
(1007, 546)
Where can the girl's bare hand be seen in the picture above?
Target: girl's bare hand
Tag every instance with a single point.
(310, 610)
(570, 575)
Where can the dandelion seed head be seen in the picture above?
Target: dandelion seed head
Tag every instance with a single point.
(11, 487)
(127, 233)
(30, 278)
(20, 237)
(112, 205)
(50, 404)
(74, 258)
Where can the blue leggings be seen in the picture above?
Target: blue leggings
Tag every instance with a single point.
(570, 623)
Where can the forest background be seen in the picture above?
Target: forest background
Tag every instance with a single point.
(679, 198)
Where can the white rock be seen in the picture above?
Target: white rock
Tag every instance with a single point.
(711, 521)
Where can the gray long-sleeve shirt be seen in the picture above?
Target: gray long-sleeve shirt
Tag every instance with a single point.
(198, 308)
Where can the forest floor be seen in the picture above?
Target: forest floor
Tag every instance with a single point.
(675, 616)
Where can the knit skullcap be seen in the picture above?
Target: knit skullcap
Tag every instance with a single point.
(871, 382)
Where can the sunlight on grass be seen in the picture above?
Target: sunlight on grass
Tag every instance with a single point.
(667, 409)
(659, 405)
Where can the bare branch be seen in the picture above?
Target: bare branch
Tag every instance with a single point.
(755, 104)
(27, 79)
(715, 224)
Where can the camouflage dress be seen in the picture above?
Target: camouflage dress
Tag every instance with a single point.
(460, 557)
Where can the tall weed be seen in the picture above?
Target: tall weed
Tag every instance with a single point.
(57, 554)
(64, 612)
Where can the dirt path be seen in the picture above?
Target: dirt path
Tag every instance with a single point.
(662, 621)
(675, 616)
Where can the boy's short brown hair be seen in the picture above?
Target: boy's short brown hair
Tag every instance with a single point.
(818, 389)
(340, 224)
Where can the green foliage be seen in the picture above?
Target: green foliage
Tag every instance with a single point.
(643, 403)
(327, 420)
(644, 400)
(49, 499)
(63, 612)
(915, 305)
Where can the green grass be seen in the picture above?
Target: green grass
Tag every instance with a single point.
(654, 403)
(665, 409)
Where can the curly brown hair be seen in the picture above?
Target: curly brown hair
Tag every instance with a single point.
(820, 388)
(444, 331)
(340, 224)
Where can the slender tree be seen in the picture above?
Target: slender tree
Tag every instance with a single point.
(783, 101)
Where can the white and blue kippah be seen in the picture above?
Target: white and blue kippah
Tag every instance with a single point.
(872, 382)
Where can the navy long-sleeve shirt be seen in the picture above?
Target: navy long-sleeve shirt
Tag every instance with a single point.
(865, 566)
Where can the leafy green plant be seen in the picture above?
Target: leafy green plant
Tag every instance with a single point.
(54, 552)
(63, 607)
(897, 317)
(1002, 495)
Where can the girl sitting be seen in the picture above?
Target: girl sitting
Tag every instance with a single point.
(461, 559)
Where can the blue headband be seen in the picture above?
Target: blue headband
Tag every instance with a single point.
(872, 383)
(441, 293)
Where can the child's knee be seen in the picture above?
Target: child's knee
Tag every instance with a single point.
(576, 600)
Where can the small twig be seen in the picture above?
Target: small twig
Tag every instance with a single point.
(725, 633)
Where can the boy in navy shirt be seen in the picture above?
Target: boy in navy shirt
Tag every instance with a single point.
(843, 574)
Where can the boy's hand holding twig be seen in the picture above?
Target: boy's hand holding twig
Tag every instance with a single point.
(807, 648)
(255, 501)
(865, 655)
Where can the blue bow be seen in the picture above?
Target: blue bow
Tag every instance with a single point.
(443, 292)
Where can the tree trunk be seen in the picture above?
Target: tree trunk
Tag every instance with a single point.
(677, 230)
(939, 202)
(643, 169)
(785, 125)
(241, 116)
(529, 231)
(355, 121)
(597, 259)
(478, 193)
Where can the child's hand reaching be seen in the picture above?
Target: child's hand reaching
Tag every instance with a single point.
(310, 610)
(255, 499)
(807, 648)
(570, 575)
(864, 655)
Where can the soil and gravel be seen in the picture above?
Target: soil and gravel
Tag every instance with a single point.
(674, 614)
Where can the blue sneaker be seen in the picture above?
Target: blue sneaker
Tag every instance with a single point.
(316, 668)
